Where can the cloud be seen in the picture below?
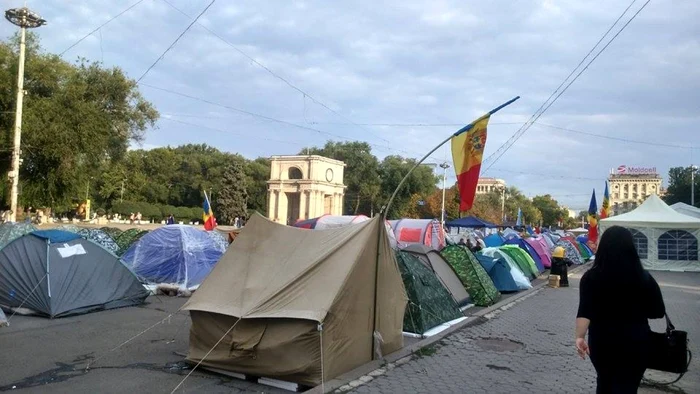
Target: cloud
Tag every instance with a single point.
(411, 61)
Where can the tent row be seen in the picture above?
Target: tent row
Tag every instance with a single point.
(73, 270)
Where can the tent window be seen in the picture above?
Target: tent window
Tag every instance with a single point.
(295, 173)
(641, 242)
(678, 245)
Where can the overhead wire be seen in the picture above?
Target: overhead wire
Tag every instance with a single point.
(493, 158)
(101, 26)
(274, 74)
(176, 41)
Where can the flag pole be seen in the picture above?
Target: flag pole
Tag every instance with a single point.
(464, 129)
(385, 208)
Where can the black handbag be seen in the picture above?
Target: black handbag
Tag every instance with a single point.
(669, 350)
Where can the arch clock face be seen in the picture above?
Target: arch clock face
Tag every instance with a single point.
(329, 175)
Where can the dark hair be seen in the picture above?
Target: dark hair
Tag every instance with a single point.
(617, 259)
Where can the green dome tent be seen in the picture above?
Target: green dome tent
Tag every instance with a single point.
(429, 303)
(522, 259)
(473, 276)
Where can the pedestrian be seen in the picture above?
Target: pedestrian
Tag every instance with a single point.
(617, 297)
(560, 266)
(131, 218)
(171, 219)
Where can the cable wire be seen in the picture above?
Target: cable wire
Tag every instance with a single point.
(616, 138)
(545, 106)
(274, 74)
(100, 26)
(176, 40)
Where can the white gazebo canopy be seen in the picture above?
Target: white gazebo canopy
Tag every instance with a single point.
(686, 209)
(653, 213)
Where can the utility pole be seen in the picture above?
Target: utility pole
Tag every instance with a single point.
(24, 18)
(444, 167)
(503, 204)
(693, 168)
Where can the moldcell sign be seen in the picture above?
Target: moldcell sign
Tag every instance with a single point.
(636, 170)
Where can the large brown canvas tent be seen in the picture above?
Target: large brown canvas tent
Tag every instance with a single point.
(266, 299)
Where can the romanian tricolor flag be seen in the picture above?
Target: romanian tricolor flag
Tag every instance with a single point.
(208, 215)
(467, 153)
(593, 220)
(605, 208)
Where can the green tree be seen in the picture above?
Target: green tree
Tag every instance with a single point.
(232, 199)
(421, 183)
(550, 209)
(78, 118)
(679, 185)
(257, 173)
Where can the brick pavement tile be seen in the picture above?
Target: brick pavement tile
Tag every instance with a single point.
(541, 358)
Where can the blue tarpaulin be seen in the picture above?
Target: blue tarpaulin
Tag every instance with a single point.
(470, 222)
(56, 236)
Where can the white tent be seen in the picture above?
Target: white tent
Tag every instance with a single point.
(686, 209)
(665, 239)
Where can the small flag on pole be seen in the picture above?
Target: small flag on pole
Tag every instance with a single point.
(467, 154)
(593, 220)
(519, 222)
(208, 215)
(605, 207)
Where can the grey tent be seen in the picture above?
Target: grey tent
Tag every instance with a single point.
(56, 273)
(432, 259)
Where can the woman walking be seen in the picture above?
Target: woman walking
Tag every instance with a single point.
(617, 297)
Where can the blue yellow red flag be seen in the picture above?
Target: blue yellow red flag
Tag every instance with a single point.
(605, 207)
(208, 215)
(593, 220)
(467, 154)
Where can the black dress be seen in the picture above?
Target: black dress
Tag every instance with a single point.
(618, 336)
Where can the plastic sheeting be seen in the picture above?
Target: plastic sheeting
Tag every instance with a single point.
(220, 239)
(11, 231)
(3, 319)
(177, 254)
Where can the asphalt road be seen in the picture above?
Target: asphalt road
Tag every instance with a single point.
(40, 354)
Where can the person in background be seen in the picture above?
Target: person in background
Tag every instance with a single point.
(170, 220)
(463, 242)
(560, 266)
(617, 297)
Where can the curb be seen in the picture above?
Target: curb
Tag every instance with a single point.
(404, 354)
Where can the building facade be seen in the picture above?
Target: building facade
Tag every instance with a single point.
(304, 187)
(630, 186)
(488, 185)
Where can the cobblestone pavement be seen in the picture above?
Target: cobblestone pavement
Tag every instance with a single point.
(528, 348)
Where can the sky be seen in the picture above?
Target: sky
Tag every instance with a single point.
(272, 77)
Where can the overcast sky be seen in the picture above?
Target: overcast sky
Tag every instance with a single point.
(382, 68)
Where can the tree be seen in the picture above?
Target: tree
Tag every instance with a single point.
(679, 185)
(550, 209)
(232, 199)
(257, 174)
(421, 182)
(78, 118)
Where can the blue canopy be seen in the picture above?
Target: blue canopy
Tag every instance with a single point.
(499, 272)
(470, 222)
(56, 236)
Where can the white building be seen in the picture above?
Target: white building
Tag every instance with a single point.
(488, 185)
(630, 186)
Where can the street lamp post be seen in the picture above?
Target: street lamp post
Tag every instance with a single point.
(693, 168)
(24, 18)
(444, 167)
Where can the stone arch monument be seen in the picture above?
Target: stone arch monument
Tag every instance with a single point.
(304, 187)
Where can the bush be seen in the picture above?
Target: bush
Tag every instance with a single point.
(100, 211)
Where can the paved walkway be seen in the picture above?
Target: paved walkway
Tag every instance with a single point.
(528, 348)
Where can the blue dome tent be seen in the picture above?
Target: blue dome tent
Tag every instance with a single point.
(176, 254)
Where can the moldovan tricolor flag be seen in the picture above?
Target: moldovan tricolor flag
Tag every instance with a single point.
(605, 207)
(593, 220)
(467, 153)
(208, 215)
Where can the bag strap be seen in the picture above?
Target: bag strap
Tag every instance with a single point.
(669, 326)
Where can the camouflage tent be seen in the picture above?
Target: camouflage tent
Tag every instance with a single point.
(522, 259)
(127, 238)
(473, 276)
(112, 231)
(571, 252)
(429, 303)
(101, 238)
(10, 231)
